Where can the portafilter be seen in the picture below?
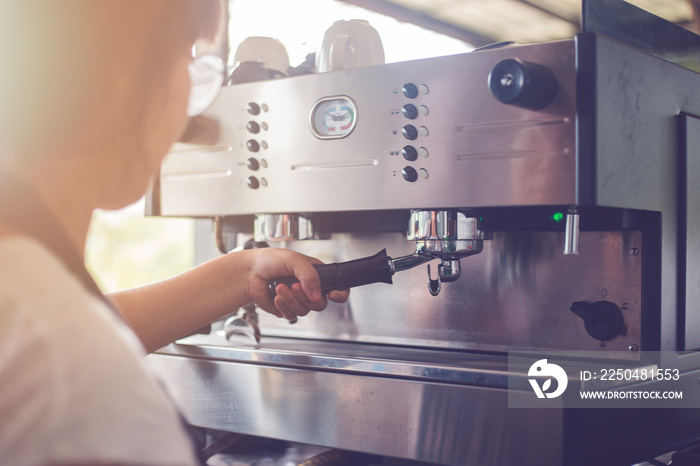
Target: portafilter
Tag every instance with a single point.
(447, 235)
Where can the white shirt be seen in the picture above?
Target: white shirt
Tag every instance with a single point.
(73, 383)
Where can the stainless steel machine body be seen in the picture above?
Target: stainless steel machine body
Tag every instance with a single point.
(473, 154)
(481, 154)
(396, 371)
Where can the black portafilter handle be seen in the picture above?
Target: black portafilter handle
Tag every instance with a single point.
(344, 275)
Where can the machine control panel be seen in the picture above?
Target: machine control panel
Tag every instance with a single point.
(383, 137)
(412, 133)
(256, 129)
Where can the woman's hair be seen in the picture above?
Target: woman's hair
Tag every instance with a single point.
(56, 56)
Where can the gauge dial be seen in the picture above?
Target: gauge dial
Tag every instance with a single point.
(333, 117)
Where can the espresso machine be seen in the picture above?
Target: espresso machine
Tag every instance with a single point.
(534, 197)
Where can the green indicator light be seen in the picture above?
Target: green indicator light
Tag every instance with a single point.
(557, 216)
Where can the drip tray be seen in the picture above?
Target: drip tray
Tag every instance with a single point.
(447, 366)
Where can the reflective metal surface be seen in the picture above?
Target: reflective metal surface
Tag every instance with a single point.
(360, 359)
(448, 234)
(436, 422)
(476, 151)
(571, 233)
(294, 391)
(516, 294)
(243, 326)
(443, 225)
(397, 371)
(284, 227)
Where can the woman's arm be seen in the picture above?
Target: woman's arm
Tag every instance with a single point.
(166, 310)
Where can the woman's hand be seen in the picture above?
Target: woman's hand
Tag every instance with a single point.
(289, 302)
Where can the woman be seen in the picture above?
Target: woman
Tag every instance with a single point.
(92, 95)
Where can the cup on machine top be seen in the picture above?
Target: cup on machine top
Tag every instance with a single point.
(349, 44)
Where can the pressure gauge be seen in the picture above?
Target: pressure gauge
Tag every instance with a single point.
(333, 117)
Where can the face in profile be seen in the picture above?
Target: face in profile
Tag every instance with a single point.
(98, 86)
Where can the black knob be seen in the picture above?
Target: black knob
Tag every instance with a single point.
(253, 164)
(409, 174)
(410, 90)
(253, 108)
(603, 319)
(253, 182)
(253, 145)
(410, 153)
(522, 84)
(410, 111)
(409, 132)
(253, 127)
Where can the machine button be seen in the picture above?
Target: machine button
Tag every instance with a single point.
(253, 182)
(423, 131)
(253, 164)
(409, 174)
(424, 173)
(253, 127)
(410, 153)
(424, 89)
(423, 152)
(410, 111)
(409, 132)
(253, 108)
(410, 90)
(603, 319)
(253, 145)
(425, 111)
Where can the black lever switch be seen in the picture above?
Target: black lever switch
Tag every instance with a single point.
(343, 275)
(523, 84)
(603, 319)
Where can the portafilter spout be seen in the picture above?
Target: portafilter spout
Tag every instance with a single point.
(447, 235)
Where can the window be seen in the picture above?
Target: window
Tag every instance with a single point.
(300, 26)
(126, 249)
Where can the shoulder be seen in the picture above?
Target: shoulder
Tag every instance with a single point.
(39, 293)
(80, 389)
(33, 285)
(30, 271)
(24, 258)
